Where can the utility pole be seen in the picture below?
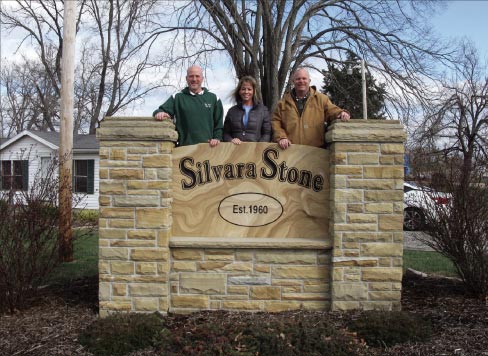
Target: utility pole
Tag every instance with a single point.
(66, 132)
(363, 83)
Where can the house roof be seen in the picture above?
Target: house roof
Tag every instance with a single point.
(52, 140)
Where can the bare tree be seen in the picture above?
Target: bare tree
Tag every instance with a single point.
(457, 124)
(270, 38)
(117, 38)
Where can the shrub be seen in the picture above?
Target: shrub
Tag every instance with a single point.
(121, 333)
(222, 333)
(459, 230)
(28, 240)
(386, 329)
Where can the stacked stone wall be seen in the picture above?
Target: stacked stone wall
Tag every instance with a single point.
(144, 269)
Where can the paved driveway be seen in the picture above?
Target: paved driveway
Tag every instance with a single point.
(410, 241)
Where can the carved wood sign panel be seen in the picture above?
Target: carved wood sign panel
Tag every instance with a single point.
(250, 190)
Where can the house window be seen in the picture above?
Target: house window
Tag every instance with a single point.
(14, 175)
(83, 175)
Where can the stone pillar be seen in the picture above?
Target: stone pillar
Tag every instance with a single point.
(366, 170)
(135, 214)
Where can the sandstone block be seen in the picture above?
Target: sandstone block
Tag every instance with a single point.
(190, 301)
(202, 283)
(153, 217)
(147, 290)
(381, 249)
(265, 292)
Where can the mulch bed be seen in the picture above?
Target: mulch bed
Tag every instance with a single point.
(50, 326)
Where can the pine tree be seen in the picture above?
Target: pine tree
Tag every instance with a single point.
(345, 90)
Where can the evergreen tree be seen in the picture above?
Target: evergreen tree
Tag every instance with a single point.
(345, 90)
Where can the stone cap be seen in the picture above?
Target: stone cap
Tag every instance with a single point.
(130, 128)
(249, 242)
(366, 131)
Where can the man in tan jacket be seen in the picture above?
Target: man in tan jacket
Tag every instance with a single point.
(301, 115)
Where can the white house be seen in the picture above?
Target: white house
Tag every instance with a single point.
(23, 156)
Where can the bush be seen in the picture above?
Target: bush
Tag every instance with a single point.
(28, 241)
(459, 230)
(223, 333)
(385, 329)
(119, 334)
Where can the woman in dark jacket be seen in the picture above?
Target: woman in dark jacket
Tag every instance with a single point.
(248, 120)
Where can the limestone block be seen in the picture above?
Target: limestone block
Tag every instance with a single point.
(187, 254)
(385, 295)
(212, 265)
(244, 255)
(202, 283)
(146, 304)
(351, 262)
(112, 187)
(275, 307)
(141, 234)
(112, 233)
(184, 266)
(355, 227)
(249, 280)
(136, 200)
(347, 195)
(238, 290)
(153, 217)
(265, 292)
(146, 268)
(350, 171)
(119, 289)
(382, 196)
(381, 249)
(362, 158)
(315, 287)
(118, 154)
(258, 268)
(126, 173)
(119, 305)
(361, 218)
(371, 184)
(378, 208)
(338, 305)
(122, 267)
(103, 267)
(147, 290)
(156, 161)
(392, 222)
(113, 253)
(103, 173)
(300, 272)
(121, 223)
(104, 291)
(393, 274)
(383, 172)
(392, 148)
(121, 213)
(104, 200)
(286, 257)
(350, 291)
(243, 305)
(306, 296)
(149, 254)
(356, 147)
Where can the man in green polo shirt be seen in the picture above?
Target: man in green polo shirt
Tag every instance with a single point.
(197, 113)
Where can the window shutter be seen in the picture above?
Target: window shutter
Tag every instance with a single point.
(90, 185)
(25, 175)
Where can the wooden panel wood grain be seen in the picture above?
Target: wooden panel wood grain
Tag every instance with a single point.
(250, 190)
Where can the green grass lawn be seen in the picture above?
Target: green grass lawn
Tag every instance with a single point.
(85, 261)
(428, 262)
